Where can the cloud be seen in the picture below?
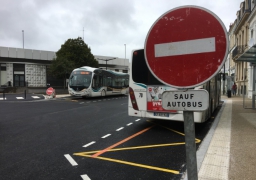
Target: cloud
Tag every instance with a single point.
(105, 25)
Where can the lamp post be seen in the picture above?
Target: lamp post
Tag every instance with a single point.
(83, 33)
(23, 37)
(106, 61)
(124, 51)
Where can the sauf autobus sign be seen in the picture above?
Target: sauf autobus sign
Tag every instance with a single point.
(186, 47)
(186, 100)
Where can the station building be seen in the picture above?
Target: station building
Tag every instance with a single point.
(28, 68)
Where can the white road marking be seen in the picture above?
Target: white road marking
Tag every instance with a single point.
(81, 103)
(106, 136)
(94, 101)
(137, 120)
(19, 97)
(185, 47)
(35, 97)
(2, 98)
(85, 177)
(71, 160)
(120, 128)
(89, 144)
(129, 124)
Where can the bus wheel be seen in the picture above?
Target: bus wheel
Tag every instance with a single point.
(103, 93)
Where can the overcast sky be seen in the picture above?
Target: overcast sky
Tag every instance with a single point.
(105, 25)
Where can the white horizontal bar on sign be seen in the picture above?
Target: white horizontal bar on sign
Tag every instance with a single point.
(185, 47)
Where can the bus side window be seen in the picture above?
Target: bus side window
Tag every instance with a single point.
(104, 80)
(109, 81)
(113, 82)
(100, 83)
(126, 82)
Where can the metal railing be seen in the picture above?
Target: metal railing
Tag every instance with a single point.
(238, 51)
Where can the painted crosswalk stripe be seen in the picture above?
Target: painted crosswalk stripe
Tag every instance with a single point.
(85, 177)
(106, 136)
(119, 129)
(89, 144)
(19, 97)
(35, 97)
(71, 160)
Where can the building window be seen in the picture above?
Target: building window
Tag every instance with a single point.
(3, 67)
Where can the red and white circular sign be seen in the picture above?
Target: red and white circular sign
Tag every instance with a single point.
(186, 46)
(49, 91)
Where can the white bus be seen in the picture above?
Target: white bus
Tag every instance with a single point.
(145, 93)
(91, 82)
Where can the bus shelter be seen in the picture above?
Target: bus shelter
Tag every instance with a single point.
(250, 56)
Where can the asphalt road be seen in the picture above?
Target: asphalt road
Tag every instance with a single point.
(88, 139)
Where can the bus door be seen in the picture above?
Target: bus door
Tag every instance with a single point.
(96, 85)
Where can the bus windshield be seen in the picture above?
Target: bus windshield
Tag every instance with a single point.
(80, 78)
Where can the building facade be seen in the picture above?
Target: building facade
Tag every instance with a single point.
(26, 67)
(240, 34)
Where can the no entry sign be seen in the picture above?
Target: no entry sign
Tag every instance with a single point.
(50, 91)
(186, 46)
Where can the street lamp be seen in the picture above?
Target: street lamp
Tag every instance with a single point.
(23, 37)
(106, 61)
(124, 51)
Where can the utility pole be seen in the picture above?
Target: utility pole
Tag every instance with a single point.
(106, 61)
(124, 51)
(23, 37)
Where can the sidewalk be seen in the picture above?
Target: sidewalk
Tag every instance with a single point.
(62, 95)
(229, 150)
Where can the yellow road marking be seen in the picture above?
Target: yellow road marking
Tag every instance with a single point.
(111, 149)
(132, 148)
(121, 142)
(196, 140)
(136, 164)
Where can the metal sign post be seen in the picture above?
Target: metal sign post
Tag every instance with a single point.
(188, 101)
(189, 130)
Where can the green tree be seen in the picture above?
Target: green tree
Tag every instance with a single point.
(73, 53)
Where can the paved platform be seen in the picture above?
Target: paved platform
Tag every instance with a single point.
(229, 150)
